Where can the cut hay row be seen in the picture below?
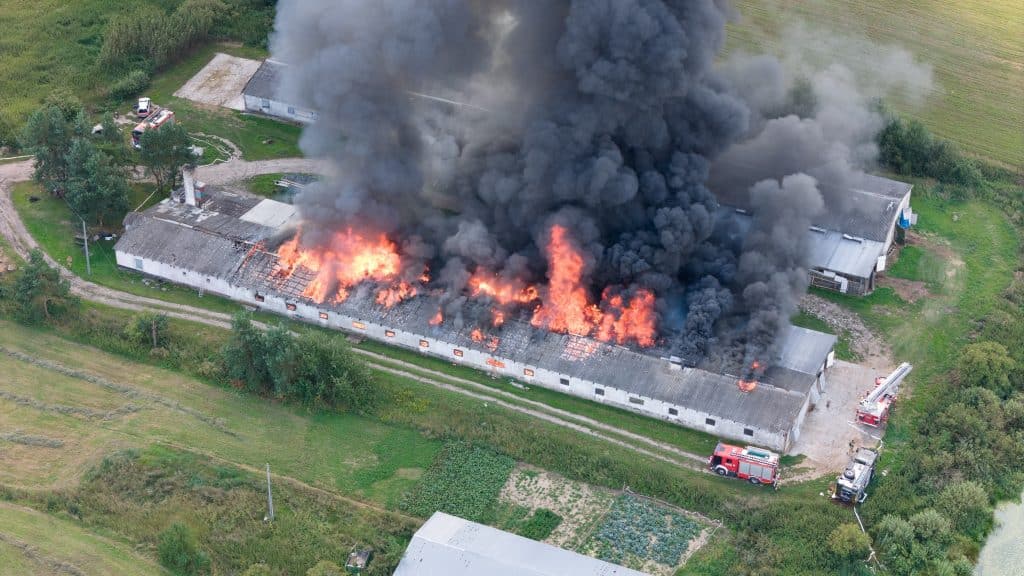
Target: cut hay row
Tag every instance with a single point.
(122, 389)
(17, 437)
(66, 410)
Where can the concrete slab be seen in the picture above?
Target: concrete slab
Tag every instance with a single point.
(828, 429)
(220, 82)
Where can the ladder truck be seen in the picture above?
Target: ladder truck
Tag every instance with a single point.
(873, 409)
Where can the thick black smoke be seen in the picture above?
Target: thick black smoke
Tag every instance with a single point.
(604, 116)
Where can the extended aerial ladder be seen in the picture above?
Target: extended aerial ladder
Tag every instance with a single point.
(873, 409)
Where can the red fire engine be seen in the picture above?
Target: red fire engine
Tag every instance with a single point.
(162, 116)
(755, 465)
(874, 407)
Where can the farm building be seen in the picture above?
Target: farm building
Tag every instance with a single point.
(850, 246)
(216, 247)
(450, 546)
(261, 94)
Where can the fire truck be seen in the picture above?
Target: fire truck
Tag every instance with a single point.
(851, 486)
(874, 407)
(755, 465)
(158, 118)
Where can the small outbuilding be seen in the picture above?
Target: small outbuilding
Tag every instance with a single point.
(262, 95)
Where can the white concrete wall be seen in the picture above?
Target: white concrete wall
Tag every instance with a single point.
(723, 426)
(280, 110)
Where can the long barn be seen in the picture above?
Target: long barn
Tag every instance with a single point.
(216, 248)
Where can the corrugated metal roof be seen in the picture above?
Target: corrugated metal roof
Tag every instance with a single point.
(872, 205)
(834, 251)
(220, 246)
(450, 546)
(265, 81)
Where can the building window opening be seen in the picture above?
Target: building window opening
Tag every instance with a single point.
(563, 381)
(259, 297)
(358, 325)
(748, 432)
(389, 333)
(673, 412)
(290, 307)
(599, 391)
(323, 315)
(457, 352)
(638, 401)
(527, 372)
(138, 263)
(424, 344)
(709, 421)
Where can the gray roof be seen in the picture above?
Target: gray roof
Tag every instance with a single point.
(265, 81)
(218, 245)
(873, 206)
(450, 546)
(826, 249)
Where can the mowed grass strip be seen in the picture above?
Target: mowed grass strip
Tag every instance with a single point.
(35, 543)
(343, 452)
(974, 47)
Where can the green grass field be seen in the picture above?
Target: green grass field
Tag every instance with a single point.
(257, 137)
(974, 47)
(35, 543)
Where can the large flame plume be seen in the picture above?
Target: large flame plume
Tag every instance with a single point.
(564, 305)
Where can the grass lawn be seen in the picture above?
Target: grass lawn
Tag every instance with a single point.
(930, 332)
(51, 223)
(343, 452)
(258, 138)
(53, 541)
(974, 47)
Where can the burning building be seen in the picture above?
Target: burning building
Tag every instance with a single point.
(222, 247)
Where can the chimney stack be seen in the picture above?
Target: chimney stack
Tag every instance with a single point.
(188, 177)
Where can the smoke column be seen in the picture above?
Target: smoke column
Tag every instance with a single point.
(601, 118)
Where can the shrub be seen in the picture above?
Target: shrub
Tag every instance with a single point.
(848, 543)
(132, 84)
(987, 365)
(540, 525)
(179, 553)
(965, 503)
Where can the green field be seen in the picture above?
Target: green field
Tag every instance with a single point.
(52, 45)
(974, 47)
(35, 543)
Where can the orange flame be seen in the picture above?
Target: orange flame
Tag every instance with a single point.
(498, 318)
(490, 341)
(502, 291)
(567, 306)
(348, 259)
(437, 319)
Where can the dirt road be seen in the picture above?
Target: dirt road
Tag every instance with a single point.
(12, 228)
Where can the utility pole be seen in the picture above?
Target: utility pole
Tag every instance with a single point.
(270, 499)
(85, 236)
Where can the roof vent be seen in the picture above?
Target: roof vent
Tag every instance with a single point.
(818, 229)
(856, 239)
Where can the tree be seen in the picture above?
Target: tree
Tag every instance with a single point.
(48, 135)
(95, 189)
(40, 292)
(321, 370)
(179, 553)
(245, 358)
(148, 328)
(988, 365)
(325, 568)
(966, 504)
(164, 152)
(848, 543)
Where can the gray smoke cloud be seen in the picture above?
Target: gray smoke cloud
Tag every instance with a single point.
(604, 116)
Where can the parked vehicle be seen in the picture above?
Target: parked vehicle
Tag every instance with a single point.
(851, 486)
(144, 107)
(873, 409)
(755, 465)
(163, 116)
